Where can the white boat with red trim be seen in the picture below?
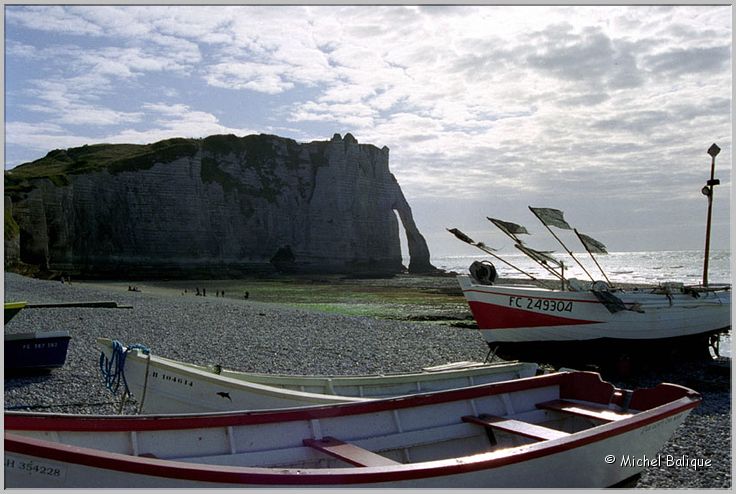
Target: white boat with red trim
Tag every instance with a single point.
(567, 321)
(163, 385)
(564, 430)
(546, 325)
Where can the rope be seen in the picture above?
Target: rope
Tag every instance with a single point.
(113, 368)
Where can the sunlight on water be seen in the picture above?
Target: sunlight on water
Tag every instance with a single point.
(623, 267)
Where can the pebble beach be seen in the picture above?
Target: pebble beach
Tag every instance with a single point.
(270, 338)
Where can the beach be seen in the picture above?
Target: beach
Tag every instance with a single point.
(258, 334)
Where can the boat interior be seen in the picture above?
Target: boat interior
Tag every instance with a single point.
(487, 424)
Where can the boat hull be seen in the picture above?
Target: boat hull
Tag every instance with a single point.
(582, 467)
(34, 352)
(528, 322)
(163, 385)
(423, 441)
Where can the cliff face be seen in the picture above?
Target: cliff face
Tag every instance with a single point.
(217, 206)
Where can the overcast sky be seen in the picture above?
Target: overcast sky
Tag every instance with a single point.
(603, 112)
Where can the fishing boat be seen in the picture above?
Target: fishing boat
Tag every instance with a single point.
(563, 430)
(163, 385)
(38, 351)
(555, 325)
(570, 321)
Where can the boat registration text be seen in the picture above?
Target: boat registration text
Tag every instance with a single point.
(540, 304)
(31, 467)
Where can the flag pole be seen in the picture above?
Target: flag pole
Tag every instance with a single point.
(708, 191)
(592, 256)
(460, 235)
(549, 269)
(562, 244)
(518, 244)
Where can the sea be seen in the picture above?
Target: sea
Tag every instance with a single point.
(646, 267)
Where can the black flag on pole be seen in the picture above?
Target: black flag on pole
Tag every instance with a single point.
(460, 235)
(510, 229)
(592, 245)
(551, 217)
(541, 256)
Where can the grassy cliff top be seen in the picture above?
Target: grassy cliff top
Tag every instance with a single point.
(58, 164)
(115, 158)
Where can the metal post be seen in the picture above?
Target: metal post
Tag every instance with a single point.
(708, 192)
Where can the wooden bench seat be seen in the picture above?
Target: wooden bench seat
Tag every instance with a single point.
(531, 431)
(350, 453)
(599, 412)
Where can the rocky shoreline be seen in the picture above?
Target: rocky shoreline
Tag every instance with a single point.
(261, 337)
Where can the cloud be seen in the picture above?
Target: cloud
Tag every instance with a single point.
(264, 78)
(590, 57)
(66, 106)
(691, 61)
(51, 18)
(31, 140)
(484, 104)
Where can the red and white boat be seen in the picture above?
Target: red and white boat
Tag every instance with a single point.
(592, 322)
(564, 430)
(548, 325)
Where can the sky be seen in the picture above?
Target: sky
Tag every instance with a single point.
(603, 112)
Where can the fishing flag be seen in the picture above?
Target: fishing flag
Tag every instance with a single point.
(551, 217)
(591, 245)
(460, 235)
(543, 257)
(510, 229)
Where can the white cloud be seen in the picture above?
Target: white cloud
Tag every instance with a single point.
(40, 138)
(520, 100)
(51, 18)
(264, 78)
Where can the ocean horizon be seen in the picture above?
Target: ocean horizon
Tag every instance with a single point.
(650, 267)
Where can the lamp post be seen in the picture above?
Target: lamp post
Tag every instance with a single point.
(708, 192)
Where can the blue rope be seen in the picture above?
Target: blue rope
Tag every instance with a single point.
(113, 368)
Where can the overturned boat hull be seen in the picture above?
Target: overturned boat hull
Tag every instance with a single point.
(40, 351)
(557, 430)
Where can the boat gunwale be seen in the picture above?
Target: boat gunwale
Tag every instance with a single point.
(235, 376)
(81, 422)
(580, 385)
(351, 475)
(587, 297)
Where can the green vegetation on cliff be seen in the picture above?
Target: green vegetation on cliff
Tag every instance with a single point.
(12, 230)
(58, 164)
(259, 153)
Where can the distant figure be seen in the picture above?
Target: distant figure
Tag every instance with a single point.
(247, 294)
(204, 292)
(223, 293)
(198, 291)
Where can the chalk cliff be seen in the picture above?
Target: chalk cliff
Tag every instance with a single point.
(218, 206)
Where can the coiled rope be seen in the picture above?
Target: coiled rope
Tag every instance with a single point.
(113, 368)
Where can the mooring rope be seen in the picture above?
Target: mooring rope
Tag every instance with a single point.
(113, 368)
